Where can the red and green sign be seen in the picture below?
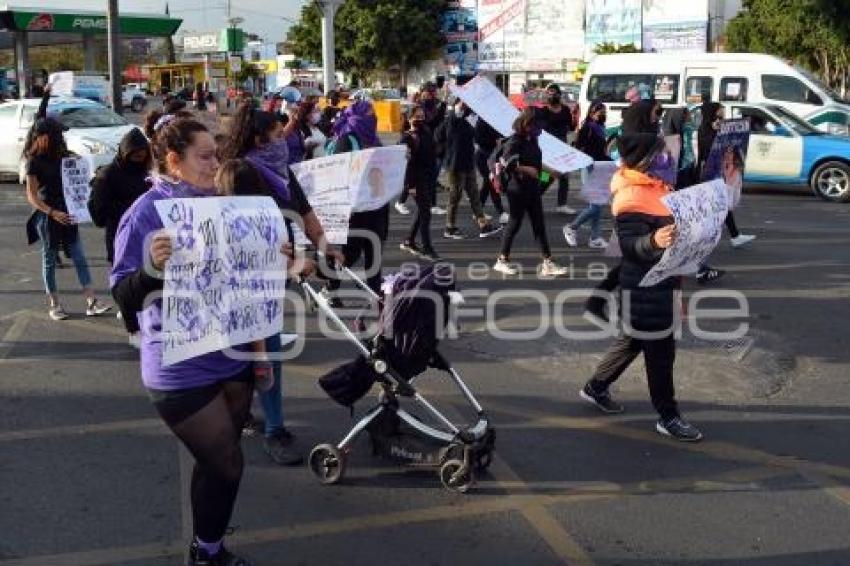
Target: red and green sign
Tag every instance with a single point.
(93, 23)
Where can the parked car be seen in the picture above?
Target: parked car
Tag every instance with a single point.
(786, 150)
(133, 97)
(94, 131)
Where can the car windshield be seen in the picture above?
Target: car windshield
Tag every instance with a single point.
(794, 123)
(821, 85)
(88, 117)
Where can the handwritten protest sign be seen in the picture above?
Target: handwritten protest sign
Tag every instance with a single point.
(325, 182)
(728, 156)
(224, 282)
(490, 104)
(699, 212)
(377, 176)
(596, 182)
(76, 178)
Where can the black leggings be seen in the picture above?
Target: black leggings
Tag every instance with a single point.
(422, 222)
(522, 201)
(372, 260)
(731, 226)
(487, 189)
(208, 421)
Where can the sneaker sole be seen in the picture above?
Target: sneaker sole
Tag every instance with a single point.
(491, 234)
(664, 432)
(583, 394)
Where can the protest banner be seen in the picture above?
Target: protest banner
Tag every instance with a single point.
(489, 103)
(377, 176)
(728, 156)
(596, 182)
(699, 213)
(225, 280)
(76, 186)
(325, 182)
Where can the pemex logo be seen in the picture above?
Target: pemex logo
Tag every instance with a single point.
(41, 22)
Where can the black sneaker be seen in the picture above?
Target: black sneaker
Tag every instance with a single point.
(199, 557)
(430, 255)
(678, 428)
(453, 234)
(279, 447)
(602, 401)
(489, 230)
(709, 274)
(409, 247)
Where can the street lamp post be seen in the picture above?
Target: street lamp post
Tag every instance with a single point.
(328, 8)
(114, 56)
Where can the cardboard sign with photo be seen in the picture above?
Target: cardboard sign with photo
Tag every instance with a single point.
(728, 157)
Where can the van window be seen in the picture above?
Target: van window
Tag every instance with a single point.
(733, 89)
(788, 89)
(696, 87)
(613, 88)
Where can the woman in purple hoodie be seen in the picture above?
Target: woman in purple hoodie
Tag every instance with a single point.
(204, 400)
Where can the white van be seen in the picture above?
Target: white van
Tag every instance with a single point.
(679, 80)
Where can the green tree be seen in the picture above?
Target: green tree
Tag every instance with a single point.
(609, 48)
(373, 35)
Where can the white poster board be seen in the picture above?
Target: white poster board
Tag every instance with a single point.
(325, 183)
(225, 280)
(377, 176)
(699, 213)
(596, 182)
(76, 186)
(489, 103)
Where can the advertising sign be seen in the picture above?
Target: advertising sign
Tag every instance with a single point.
(612, 21)
(501, 41)
(556, 29)
(674, 26)
(459, 23)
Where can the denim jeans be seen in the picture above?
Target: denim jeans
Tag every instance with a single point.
(593, 214)
(48, 259)
(272, 400)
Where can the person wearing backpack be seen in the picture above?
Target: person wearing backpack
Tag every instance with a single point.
(486, 140)
(522, 162)
(419, 181)
(460, 164)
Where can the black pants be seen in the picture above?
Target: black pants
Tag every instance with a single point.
(487, 190)
(563, 189)
(422, 222)
(659, 357)
(731, 226)
(208, 421)
(372, 256)
(521, 201)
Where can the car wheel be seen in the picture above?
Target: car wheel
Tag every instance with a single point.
(137, 105)
(831, 181)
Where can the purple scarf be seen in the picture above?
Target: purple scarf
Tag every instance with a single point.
(595, 127)
(358, 120)
(272, 162)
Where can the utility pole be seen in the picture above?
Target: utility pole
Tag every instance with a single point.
(328, 8)
(114, 42)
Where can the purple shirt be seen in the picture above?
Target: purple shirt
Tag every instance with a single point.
(140, 220)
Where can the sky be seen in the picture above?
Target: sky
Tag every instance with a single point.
(263, 17)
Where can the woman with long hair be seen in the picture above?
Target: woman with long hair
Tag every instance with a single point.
(420, 182)
(522, 160)
(56, 228)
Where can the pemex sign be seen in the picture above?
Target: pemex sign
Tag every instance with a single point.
(148, 26)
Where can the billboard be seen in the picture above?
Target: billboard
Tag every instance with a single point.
(459, 23)
(501, 37)
(612, 21)
(675, 26)
(556, 29)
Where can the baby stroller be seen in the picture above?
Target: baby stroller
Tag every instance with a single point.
(403, 346)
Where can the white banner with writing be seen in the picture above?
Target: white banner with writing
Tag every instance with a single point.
(76, 186)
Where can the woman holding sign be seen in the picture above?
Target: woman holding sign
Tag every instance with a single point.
(45, 153)
(204, 399)
(645, 229)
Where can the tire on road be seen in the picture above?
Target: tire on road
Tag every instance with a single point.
(138, 104)
(831, 181)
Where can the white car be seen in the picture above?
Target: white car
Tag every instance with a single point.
(133, 97)
(94, 131)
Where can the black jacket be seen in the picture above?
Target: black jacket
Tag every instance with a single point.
(648, 309)
(419, 174)
(460, 144)
(117, 186)
(518, 151)
(486, 136)
(591, 143)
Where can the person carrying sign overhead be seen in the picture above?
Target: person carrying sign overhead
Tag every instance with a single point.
(44, 153)
(645, 229)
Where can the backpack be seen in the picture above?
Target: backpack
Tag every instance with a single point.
(330, 145)
(498, 166)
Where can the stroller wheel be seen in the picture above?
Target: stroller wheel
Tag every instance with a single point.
(456, 476)
(327, 463)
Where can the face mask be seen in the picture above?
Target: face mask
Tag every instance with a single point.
(554, 99)
(417, 124)
(663, 167)
(460, 110)
(602, 117)
(315, 118)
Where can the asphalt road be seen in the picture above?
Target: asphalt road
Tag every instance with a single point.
(88, 475)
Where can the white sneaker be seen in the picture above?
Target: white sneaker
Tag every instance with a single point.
(135, 340)
(504, 218)
(96, 308)
(504, 267)
(742, 240)
(57, 313)
(564, 209)
(571, 236)
(597, 244)
(402, 208)
(437, 211)
(551, 269)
